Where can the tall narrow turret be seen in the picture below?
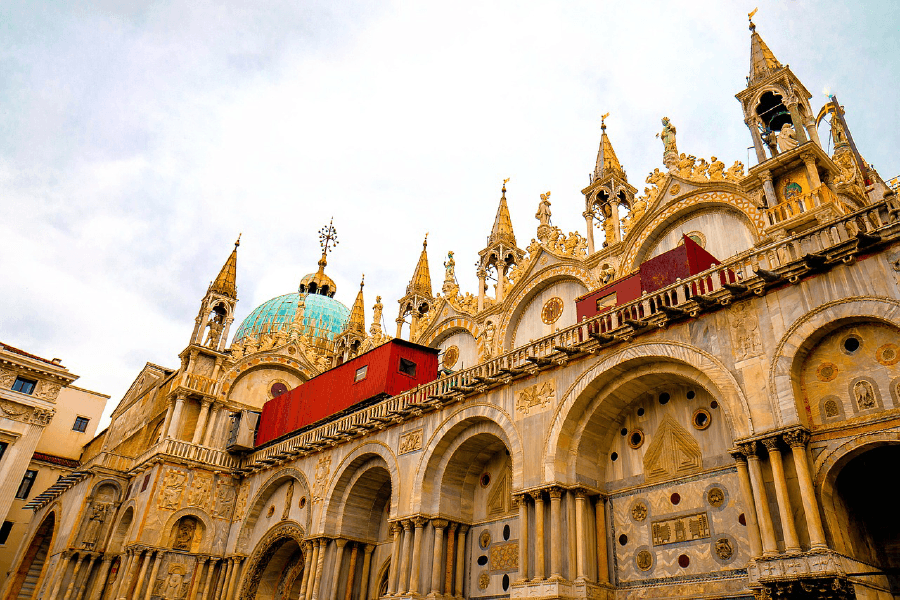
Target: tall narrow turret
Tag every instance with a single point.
(501, 251)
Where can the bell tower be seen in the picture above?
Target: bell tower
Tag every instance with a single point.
(216, 314)
(608, 190)
(500, 253)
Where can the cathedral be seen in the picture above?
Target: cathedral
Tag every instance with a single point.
(699, 397)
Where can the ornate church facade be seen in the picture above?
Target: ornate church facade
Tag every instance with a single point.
(722, 434)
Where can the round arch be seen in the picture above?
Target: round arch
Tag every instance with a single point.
(700, 198)
(201, 516)
(33, 557)
(560, 462)
(255, 362)
(448, 326)
(537, 282)
(270, 543)
(121, 527)
(261, 498)
(347, 473)
(800, 337)
(464, 424)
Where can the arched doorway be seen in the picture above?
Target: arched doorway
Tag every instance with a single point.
(275, 569)
(864, 526)
(28, 574)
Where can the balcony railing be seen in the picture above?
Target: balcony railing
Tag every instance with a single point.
(803, 203)
(198, 383)
(188, 451)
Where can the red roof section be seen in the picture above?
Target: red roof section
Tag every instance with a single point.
(56, 460)
(15, 350)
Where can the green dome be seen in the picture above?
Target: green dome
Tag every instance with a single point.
(322, 316)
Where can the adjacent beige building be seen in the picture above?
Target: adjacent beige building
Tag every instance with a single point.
(731, 433)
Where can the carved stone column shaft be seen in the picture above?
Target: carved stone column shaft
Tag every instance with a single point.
(791, 543)
(767, 529)
(538, 536)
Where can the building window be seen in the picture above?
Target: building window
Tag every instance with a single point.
(361, 373)
(407, 367)
(4, 531)
(25, 486)
(81, 424)
(3, 447)
(26, 386)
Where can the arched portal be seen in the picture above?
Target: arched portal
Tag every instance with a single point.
(275, 569)
(27, 576)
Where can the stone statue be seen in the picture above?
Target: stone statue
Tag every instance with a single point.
(735, 171)
(185, 534)
(607, 273)
(667, 135)
(95, 523)
(450, 268)
(716, 170)
(865, 395)
(376, 316)
(488, 334)
(787, 138)
(172, 587)
(216, 325)
(543, 212)
(609, 228)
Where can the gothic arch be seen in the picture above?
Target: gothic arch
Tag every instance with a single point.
(537, 282)
(364, 457)
(266, 489)
(480, 419)
(560, 459)
(271, 542)
(809, 329)
(207, 523)
(699, 198)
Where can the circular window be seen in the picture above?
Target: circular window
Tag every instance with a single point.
(552, 311)
(624, 432)
(664, 397)
(506, 532)
(636, 439)
(614, 456)
(278, 388)
(684, 561)
(623, 539)
(714, 404)
(485, 480)
(451, 355)
(701, 419)
(742, 519)
(505, 582)
(690, 395)
(482, 560)
(302, 501)
(851, 344)
(675, 498)
(640, 412)
(888, 355)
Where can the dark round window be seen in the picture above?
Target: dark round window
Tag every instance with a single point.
(664, 397)
(701, 419)
(636, 439)
(505, 582)
(684, 561)
(614, 456)
(506, 532)
(482, 560)
(624, 432)
(742, 519)
(640, 412)
(675, 498)
(623, 539)
(691, 394)
(485, 480)
(714, 404)
(278, 389)
(851, 344)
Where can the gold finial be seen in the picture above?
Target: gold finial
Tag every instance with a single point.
(750, 18)
(603, 121)
(425, 243)
(362, 282)
(505, 181)
(238, 242)
(503, 191)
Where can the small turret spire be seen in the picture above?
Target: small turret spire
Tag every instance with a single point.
(607, 161)
(420, 284)
(762, 60)
(502, 231)
(225, 282)
(357, 321)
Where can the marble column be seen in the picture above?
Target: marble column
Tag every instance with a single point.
(222, 580)
(140, 558)
(555, 529)
(236, 577)
(122, 574)
(538, 535)
(797, 122)
(602, 557)
(403, 584)
(571, 535)
(501, 280)
(523, 537)
(396, 529)
(75, 571)
(750, 512)
(812, 131)
(142, 576)
(812, 170)
(439, 525)
(351, 572)
(314, 551)
(757, 141)
(364, 578)
(580, 507)
(305, 547)
(419, 523)
(200, 427)
(589, 223)
(98, 579)
(320, 562)
(768, 188)
(766, 529)
(170, 408)
(448, 575)
(210, 572)
(175, 423)
(212, 423)
(460, 559)
(59, 574)
(157, 561)
(338, 559)
(194, 587)
(482, 278)
(797, 440)
(791, 543)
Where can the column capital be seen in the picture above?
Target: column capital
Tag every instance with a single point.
(520, 499)
(798, 437)
(452, 527)
(580, 493)
(771, 444)
(738, 455)
(304, 547)
(808, 158)
(369, 549)
(407, 524)
(322, 542)
(588, 214)
(205, 402)
(340, 542)
(537, 495)
(439, 523)
(419, 522)
(749, 449)
(463, 528)
(395, 527)
(765, 176)
(555, 492)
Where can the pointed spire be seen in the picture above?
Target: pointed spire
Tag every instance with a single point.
(357, 322)
(502, 230)
(225, 282)
(762, 61)
(606, 157)
(420, 284)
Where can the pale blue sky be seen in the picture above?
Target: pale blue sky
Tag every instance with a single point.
(137, 139)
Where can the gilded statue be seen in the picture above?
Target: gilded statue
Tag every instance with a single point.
(787, 138)
(543, 212)
(667, 135)
(699, 172)
(639, 207)
(376, 316)
(450, 268)
(735, 171)
(716, 170)
(657, 178)
(488, 335)
(685, 165)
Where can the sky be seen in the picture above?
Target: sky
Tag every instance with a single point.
(138, 139)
